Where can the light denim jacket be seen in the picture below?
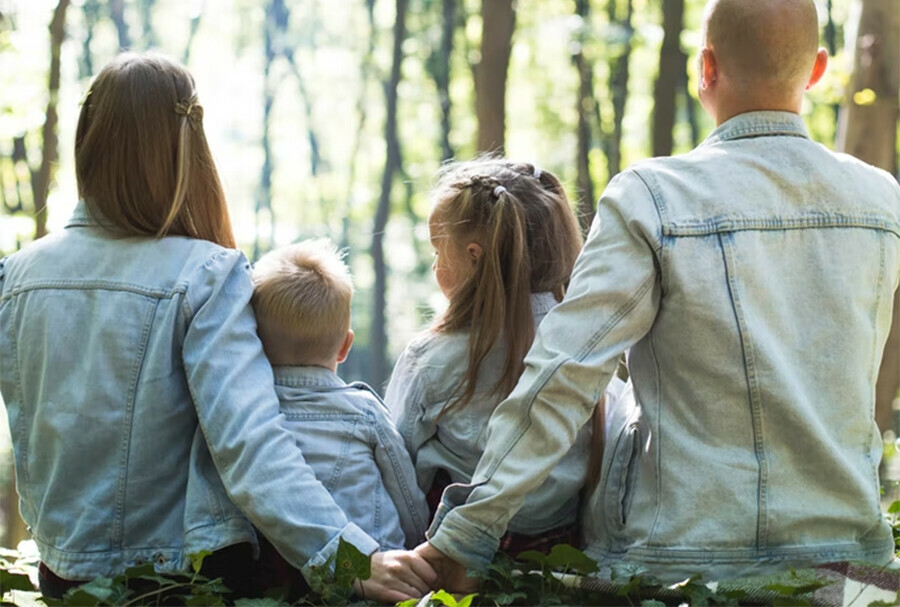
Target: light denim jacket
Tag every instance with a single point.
(425, 377)
(752, 279)
(122, 359)
(347, 437)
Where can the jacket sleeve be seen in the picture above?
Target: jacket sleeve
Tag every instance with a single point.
(399, 478)
(611, 303)
(232, 386)
(405, 398)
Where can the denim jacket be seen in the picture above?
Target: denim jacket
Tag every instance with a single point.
(752, 280)
(423, 381)
(140, 401)
(348, 439)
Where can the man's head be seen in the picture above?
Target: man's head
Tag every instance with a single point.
(301, 297)
(758, 55)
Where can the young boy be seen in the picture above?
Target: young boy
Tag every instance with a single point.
(301, 297)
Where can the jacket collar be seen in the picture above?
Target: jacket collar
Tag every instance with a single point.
(758, 124)
(306, 377)
(82, 217)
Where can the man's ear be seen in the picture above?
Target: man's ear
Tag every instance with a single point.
(709, 68)
(818, 68)
(345, 347)
(474, 250)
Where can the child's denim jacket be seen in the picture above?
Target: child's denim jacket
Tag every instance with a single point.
(423, 381)
(137, 393)
(346, 435)
(753, 281)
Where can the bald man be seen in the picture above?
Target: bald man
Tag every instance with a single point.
(751, 281)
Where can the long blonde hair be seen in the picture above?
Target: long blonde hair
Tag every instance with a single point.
(141, 158)
(521, 217)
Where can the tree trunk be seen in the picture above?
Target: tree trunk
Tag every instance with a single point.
(392, 164)
(44, 177)
(264, 192)
(117, 12)
(586, 111)
(671, 66)
(618, 88)
(498, 23)
(868, 130)
(440, 71)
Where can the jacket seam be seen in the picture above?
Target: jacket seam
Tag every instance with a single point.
(753, 393)
(94, 285)
(813, 220)
(127, 439)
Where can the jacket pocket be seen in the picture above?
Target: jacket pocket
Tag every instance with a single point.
(623, 450)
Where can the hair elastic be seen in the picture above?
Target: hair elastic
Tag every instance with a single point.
(537, 172)
(499, 190)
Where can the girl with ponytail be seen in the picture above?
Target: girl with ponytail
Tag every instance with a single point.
(505, 241)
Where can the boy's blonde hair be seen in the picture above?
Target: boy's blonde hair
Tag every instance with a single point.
(301, 296)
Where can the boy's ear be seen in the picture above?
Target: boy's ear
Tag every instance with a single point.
(474, 250)
(345, 347)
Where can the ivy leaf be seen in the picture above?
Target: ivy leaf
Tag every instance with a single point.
(264, 602)
(11, 580)
(566, 557)
(201, 600)
(77, 596)
(508, 598)
(444, 598)
(622, 571)
(407, 603)
(350, 564)
(652, 603)
(100, 587)
(197, 559)
(894, 508)
(466, 601)
(533, 556)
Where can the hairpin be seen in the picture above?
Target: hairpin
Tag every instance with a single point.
(192, 110)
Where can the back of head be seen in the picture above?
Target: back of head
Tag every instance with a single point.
(302, 295)
(766, 47)
(529, 236)
(141, 157)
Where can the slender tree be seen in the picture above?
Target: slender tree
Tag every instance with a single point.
(43, 178)
(117, 13)
(392, 166)
(671, 69)
(192, 33)
(586, 110)
(619, 61)
(868, 130)
(498, 23)
(438, 65)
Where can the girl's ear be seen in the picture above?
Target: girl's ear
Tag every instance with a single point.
(474, 250)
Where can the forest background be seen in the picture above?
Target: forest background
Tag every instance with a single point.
(329, 118)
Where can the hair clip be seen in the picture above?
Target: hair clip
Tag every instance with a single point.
(499, 190)
(192, 110)
(537, 173)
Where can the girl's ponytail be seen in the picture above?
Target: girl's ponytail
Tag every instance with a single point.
(529, 238)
